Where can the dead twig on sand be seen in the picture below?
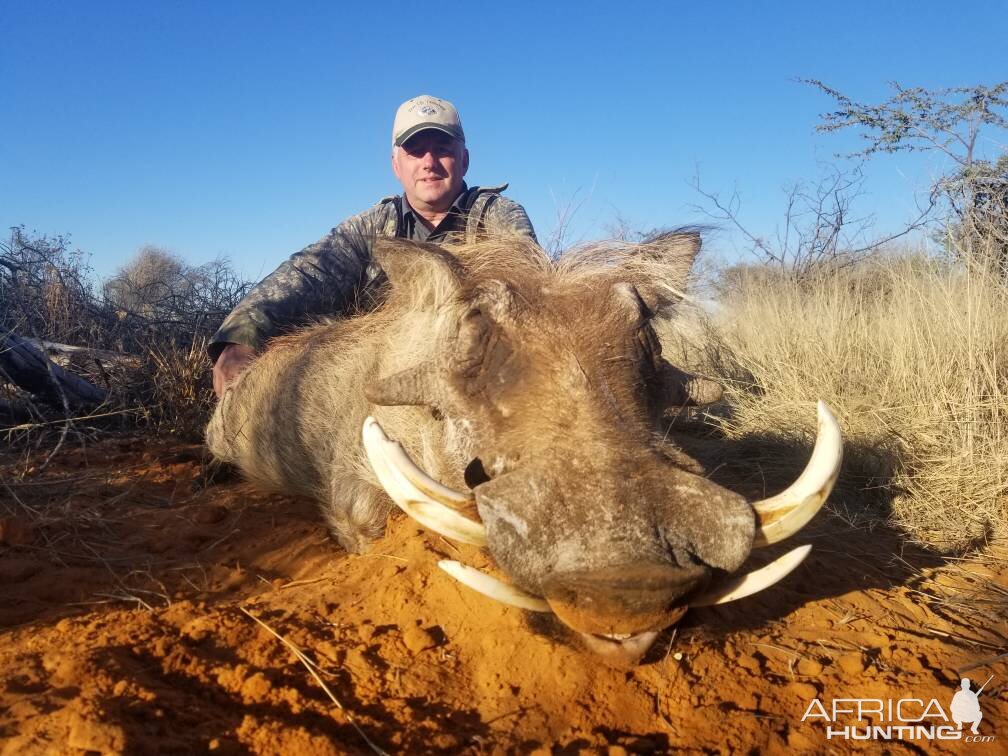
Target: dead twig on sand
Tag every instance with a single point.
(295, 583)
(960, 638)
(982, 663)
(312, 667)
(92, 416)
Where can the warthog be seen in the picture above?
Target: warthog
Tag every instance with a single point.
(531, 391)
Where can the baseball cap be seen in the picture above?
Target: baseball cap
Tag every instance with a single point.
(426, 112)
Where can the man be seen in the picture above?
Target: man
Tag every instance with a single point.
(430, 159)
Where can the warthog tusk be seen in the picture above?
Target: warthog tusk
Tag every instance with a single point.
(735, 588)
(417, 494)
(789, 511)
(398, 457)
(492, 587)
(730, 590)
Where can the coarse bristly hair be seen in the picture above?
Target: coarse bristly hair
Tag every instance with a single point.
(291, 431)
(664, 260)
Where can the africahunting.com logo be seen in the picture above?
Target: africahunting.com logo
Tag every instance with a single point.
(903, 718)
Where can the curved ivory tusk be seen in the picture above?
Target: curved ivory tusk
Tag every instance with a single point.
(789, 511)
(416, 493)
(753, 582)
(492, 587)
(398, 457)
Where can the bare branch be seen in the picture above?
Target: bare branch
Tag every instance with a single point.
(819, 227)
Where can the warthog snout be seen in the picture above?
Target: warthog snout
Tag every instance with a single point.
(621, 544)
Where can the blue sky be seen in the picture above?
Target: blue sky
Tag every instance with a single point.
(248, 129)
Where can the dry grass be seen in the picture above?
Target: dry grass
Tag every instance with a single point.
(912, 354)
(170, 387)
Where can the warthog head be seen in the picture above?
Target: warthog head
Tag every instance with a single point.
(556, 376)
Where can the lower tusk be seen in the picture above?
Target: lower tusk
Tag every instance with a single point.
(421, 497)
(753, 582)
(789, 511)
(492, 587)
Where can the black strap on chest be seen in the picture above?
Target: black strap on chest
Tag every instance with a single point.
(400, 226)
(476, 220)
(476, 204)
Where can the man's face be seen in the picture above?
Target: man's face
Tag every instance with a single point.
(430, 165)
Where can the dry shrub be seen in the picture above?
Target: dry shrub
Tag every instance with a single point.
(46, 289)
(146, 329)
(911, 354)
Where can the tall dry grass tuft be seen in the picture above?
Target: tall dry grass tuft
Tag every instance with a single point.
(912, 353)
(168, 388)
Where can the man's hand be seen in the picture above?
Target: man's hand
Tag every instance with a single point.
(234, 359)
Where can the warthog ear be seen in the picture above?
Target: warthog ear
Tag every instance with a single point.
(423, 272)
(660, 267)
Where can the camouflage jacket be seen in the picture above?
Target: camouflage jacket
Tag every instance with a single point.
(330, 276)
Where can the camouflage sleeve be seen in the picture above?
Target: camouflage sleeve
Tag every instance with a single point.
(507, 216)
(320, 279)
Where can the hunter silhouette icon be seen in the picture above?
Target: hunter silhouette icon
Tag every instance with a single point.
(966, 705)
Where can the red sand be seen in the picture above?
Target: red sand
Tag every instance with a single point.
(122, 631)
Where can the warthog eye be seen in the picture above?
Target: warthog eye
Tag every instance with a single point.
(475, 473)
